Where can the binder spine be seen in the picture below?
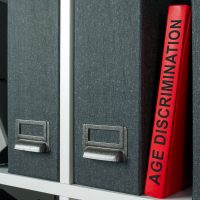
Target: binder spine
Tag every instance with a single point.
(166, 160)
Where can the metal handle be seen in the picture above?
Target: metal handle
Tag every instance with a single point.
(30, 143)
(110, 152)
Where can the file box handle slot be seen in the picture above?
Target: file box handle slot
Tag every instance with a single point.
(110, 152)
(29, 142)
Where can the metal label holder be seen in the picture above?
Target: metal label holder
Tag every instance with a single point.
(30, 143)
(110, 152)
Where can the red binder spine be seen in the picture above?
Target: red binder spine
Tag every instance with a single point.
(166, 160)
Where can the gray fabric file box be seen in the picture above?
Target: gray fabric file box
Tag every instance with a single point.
(196, 97)
(33, 88)
(117, 56)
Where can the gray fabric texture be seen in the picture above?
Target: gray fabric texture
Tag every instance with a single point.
(117, 56)
(196, 98)
(33, 81)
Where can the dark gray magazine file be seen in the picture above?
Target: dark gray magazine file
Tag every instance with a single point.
(117, 56)
(33, 88)
(196, 97)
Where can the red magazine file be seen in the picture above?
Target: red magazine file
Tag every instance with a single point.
(165, 175)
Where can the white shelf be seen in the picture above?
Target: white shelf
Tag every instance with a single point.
(72, 191)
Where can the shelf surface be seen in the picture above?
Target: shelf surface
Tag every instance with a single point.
(73, 191)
